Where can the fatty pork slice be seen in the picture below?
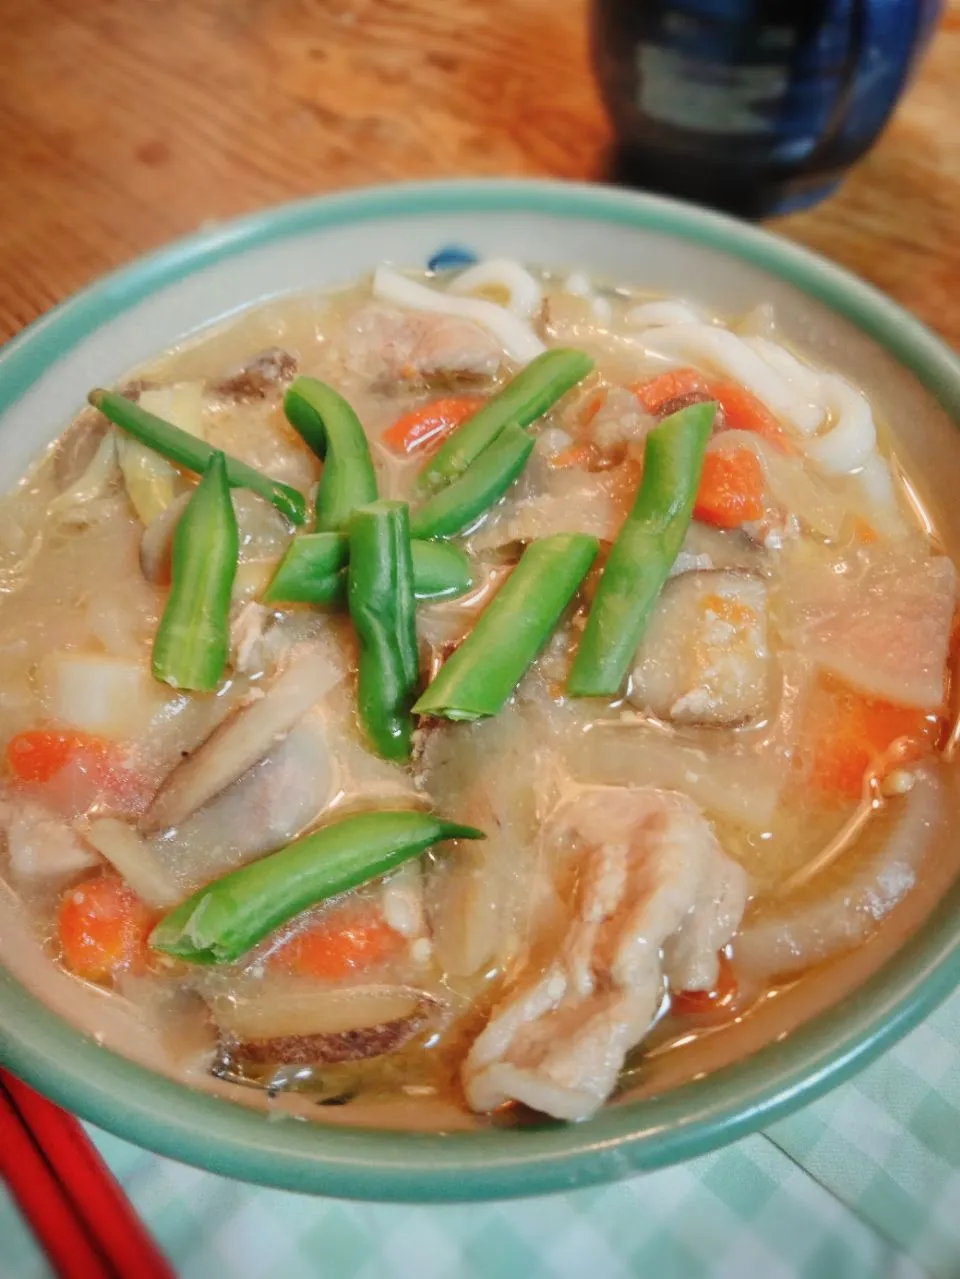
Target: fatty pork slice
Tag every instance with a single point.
(878, 620)
(386, 346)
(705, 657)
(652, 869)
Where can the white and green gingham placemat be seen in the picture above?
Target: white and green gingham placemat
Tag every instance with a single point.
(864, 1184)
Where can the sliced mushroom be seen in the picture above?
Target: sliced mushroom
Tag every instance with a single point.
(348, 1045)
(307, 1025)
(705, 657)
(259, 376)
(240, 742)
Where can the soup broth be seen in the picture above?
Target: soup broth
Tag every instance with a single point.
(631, 596)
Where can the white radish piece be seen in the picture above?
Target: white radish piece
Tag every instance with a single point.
(505, 276)
(515, 336)
(878, 621)
(240, 742)
(812, 925)
(877, 483)
(112, 696)
(40, 845)
(123, 848)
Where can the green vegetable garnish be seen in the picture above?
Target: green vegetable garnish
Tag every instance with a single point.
(226, 918)
(645, 549)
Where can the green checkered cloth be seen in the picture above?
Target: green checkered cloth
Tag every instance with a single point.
(864, 1184)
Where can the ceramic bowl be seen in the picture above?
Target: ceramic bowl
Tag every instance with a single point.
(633, 239)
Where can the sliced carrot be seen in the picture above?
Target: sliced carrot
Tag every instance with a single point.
(347, 941)
(675, 385)
(731, 489)
(37, 755)
(844, 734)
(863, 531)
(691, 1003)
(103, 928)
(742, 411)
(592, 407)
(581, 453)
(430, 423)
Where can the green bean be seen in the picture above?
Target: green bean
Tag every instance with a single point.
(380, 595)
(642, 555)
(184, 449)
(483, 483)
(314, 571)
(193, 639)
(332, 429)
(226, 918)
(440, 571)
(525, 398)
(482, 673)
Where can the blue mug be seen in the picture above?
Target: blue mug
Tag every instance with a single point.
(753, 106)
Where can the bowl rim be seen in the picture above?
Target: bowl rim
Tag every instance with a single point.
(228, 1138)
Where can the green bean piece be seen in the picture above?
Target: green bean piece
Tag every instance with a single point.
(525, 398)
(642, 555)
(459, 505)
(380, 595)
(193, 639)
(334, 432)
(440, 571)
(314, 571)
(223, 920)
(482, 673)
(184, 449)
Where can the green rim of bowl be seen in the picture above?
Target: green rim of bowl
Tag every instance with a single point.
(228, 1138)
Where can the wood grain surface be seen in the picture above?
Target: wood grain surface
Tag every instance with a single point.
(124, 123)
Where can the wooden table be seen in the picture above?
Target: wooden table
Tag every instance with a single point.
(124, 123)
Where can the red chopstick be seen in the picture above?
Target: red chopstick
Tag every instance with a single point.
(76, 1208)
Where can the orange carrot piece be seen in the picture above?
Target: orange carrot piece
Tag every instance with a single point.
(37, 755)
(431, 423)
(731, 489)
(844, 734)
(581, 453)
(863, 531)
(345, 942)
(676, 384)
(592, 407)
(692, 1003)
(103, 928)
(742, 411)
